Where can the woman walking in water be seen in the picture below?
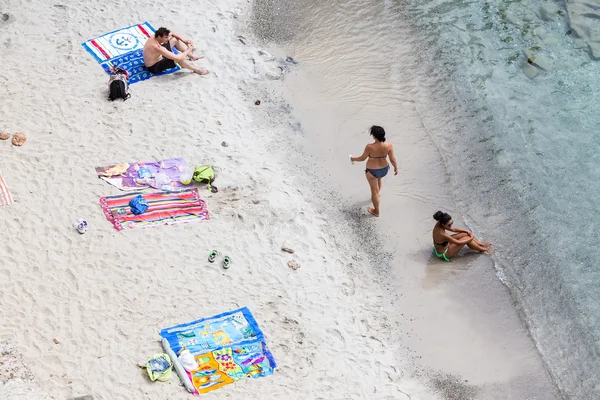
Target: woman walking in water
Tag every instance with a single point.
(377, 165)
(446, 246)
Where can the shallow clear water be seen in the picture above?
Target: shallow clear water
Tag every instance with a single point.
(522, 153)
(533, 168)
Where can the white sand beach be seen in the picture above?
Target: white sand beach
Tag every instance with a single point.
(79, 312)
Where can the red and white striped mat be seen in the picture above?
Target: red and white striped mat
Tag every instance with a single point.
(5, 196)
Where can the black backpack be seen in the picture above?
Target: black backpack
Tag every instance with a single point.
(118, 87)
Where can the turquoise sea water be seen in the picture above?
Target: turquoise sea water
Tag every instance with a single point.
(522, 153)
(532, 177)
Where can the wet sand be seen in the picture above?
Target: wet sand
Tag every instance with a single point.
(456, 320)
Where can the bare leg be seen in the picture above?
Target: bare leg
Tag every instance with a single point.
(453, 249)
(459, 236)
(473, 244)
(483, 244)
(179, 45)
(197, 70)
(194, 57)
(476, 245)
(379, 184)
(374, 194)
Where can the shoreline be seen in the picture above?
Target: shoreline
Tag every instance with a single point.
(512, 195)
(476, 311)
(489, 360)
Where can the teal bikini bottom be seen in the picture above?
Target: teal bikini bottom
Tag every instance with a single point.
(441, 256)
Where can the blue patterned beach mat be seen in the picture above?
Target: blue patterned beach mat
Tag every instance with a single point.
(226, 347)
(123, 48)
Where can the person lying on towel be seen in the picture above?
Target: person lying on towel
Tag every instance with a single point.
(158, 55)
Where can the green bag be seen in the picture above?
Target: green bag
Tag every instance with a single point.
(159, 367)
(205, 174)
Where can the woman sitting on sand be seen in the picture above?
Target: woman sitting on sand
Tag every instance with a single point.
(446, 246)
(377, 166)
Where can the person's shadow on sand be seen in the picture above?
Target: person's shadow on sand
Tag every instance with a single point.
(438, 271)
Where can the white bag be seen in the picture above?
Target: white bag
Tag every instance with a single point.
(187, 360)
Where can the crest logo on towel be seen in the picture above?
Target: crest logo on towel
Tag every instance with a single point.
(124, 41)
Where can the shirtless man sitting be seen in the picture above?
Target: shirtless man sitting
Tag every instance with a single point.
(158, 55)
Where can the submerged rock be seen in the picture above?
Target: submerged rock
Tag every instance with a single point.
(550, 40)
(528, 17)
(539, 32)
(583, 20)
(530, 70)
(536, 59)
(549, 12)
(579, 43)
(512, 19)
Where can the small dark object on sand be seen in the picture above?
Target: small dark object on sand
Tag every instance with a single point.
(290, 60)
(257, 102)
(224, 144)
(5, 17)
(242, 39)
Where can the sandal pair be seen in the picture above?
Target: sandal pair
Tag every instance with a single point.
(213, 256)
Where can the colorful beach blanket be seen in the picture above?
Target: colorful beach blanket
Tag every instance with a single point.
(164, 208)
(140, 175)
(227, 348)
(123, 48)
(5, 195)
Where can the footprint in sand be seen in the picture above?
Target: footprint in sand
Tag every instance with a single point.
(337, 334)
(299, 337)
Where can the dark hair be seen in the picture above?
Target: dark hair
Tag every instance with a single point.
(161, 32)
(378, 133)
(442, 217)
